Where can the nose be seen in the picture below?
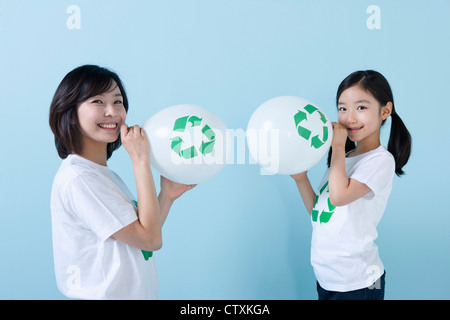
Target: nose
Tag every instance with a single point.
(110, 110)
(351, 117)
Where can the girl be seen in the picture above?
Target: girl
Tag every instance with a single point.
(102, 240)
(354, 191)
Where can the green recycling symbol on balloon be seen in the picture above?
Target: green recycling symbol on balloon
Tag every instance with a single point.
(316, 142)
(191, 152)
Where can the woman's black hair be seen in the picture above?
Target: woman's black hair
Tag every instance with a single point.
(77, 86)
(375, 83)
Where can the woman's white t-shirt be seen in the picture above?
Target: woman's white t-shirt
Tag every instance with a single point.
(89, 203)
(343, 253)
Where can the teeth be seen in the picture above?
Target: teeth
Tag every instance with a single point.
(108, 126)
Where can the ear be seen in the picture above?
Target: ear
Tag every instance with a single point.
(386, 111)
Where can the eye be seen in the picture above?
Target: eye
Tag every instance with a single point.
(97, 101)
(361, 108)
(341, 109)
(118, 102)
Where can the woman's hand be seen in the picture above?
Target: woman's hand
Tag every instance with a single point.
(340, 135)
(173, 190)
(135, 141)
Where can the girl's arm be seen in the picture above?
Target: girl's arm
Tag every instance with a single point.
(145, 232)
(342, 189)
(306, 190)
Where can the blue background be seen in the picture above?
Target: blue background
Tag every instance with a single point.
(240, 235)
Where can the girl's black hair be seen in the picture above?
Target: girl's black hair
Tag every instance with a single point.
(375, 83)
(77, 86)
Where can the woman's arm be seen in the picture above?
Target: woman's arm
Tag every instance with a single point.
(170, 191)
(145, 232)
(306, 191)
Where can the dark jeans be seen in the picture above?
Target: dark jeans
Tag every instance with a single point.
(376, 293)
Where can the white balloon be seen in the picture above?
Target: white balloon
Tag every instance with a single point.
(187, 143)
(288, 135)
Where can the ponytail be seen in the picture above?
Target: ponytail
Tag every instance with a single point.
(400, 141)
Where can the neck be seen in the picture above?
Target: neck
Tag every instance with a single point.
(368, 144)
(94, 151)
(365, 148)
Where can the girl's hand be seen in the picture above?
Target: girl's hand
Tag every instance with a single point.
(298, 177)
(135, 141)
(340, 135)
(173, 190)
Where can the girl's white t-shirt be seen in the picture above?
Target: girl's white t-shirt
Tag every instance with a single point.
(343, 253)
(89, 203)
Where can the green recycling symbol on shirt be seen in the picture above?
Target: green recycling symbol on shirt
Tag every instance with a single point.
(192, 152)
(325, 216)
(316, 142)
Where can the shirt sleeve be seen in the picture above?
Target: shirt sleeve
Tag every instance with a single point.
(324, 180)
(99, 205)
(376, 172)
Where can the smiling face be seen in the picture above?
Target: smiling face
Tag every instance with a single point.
(101, 116)
(362, 115)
